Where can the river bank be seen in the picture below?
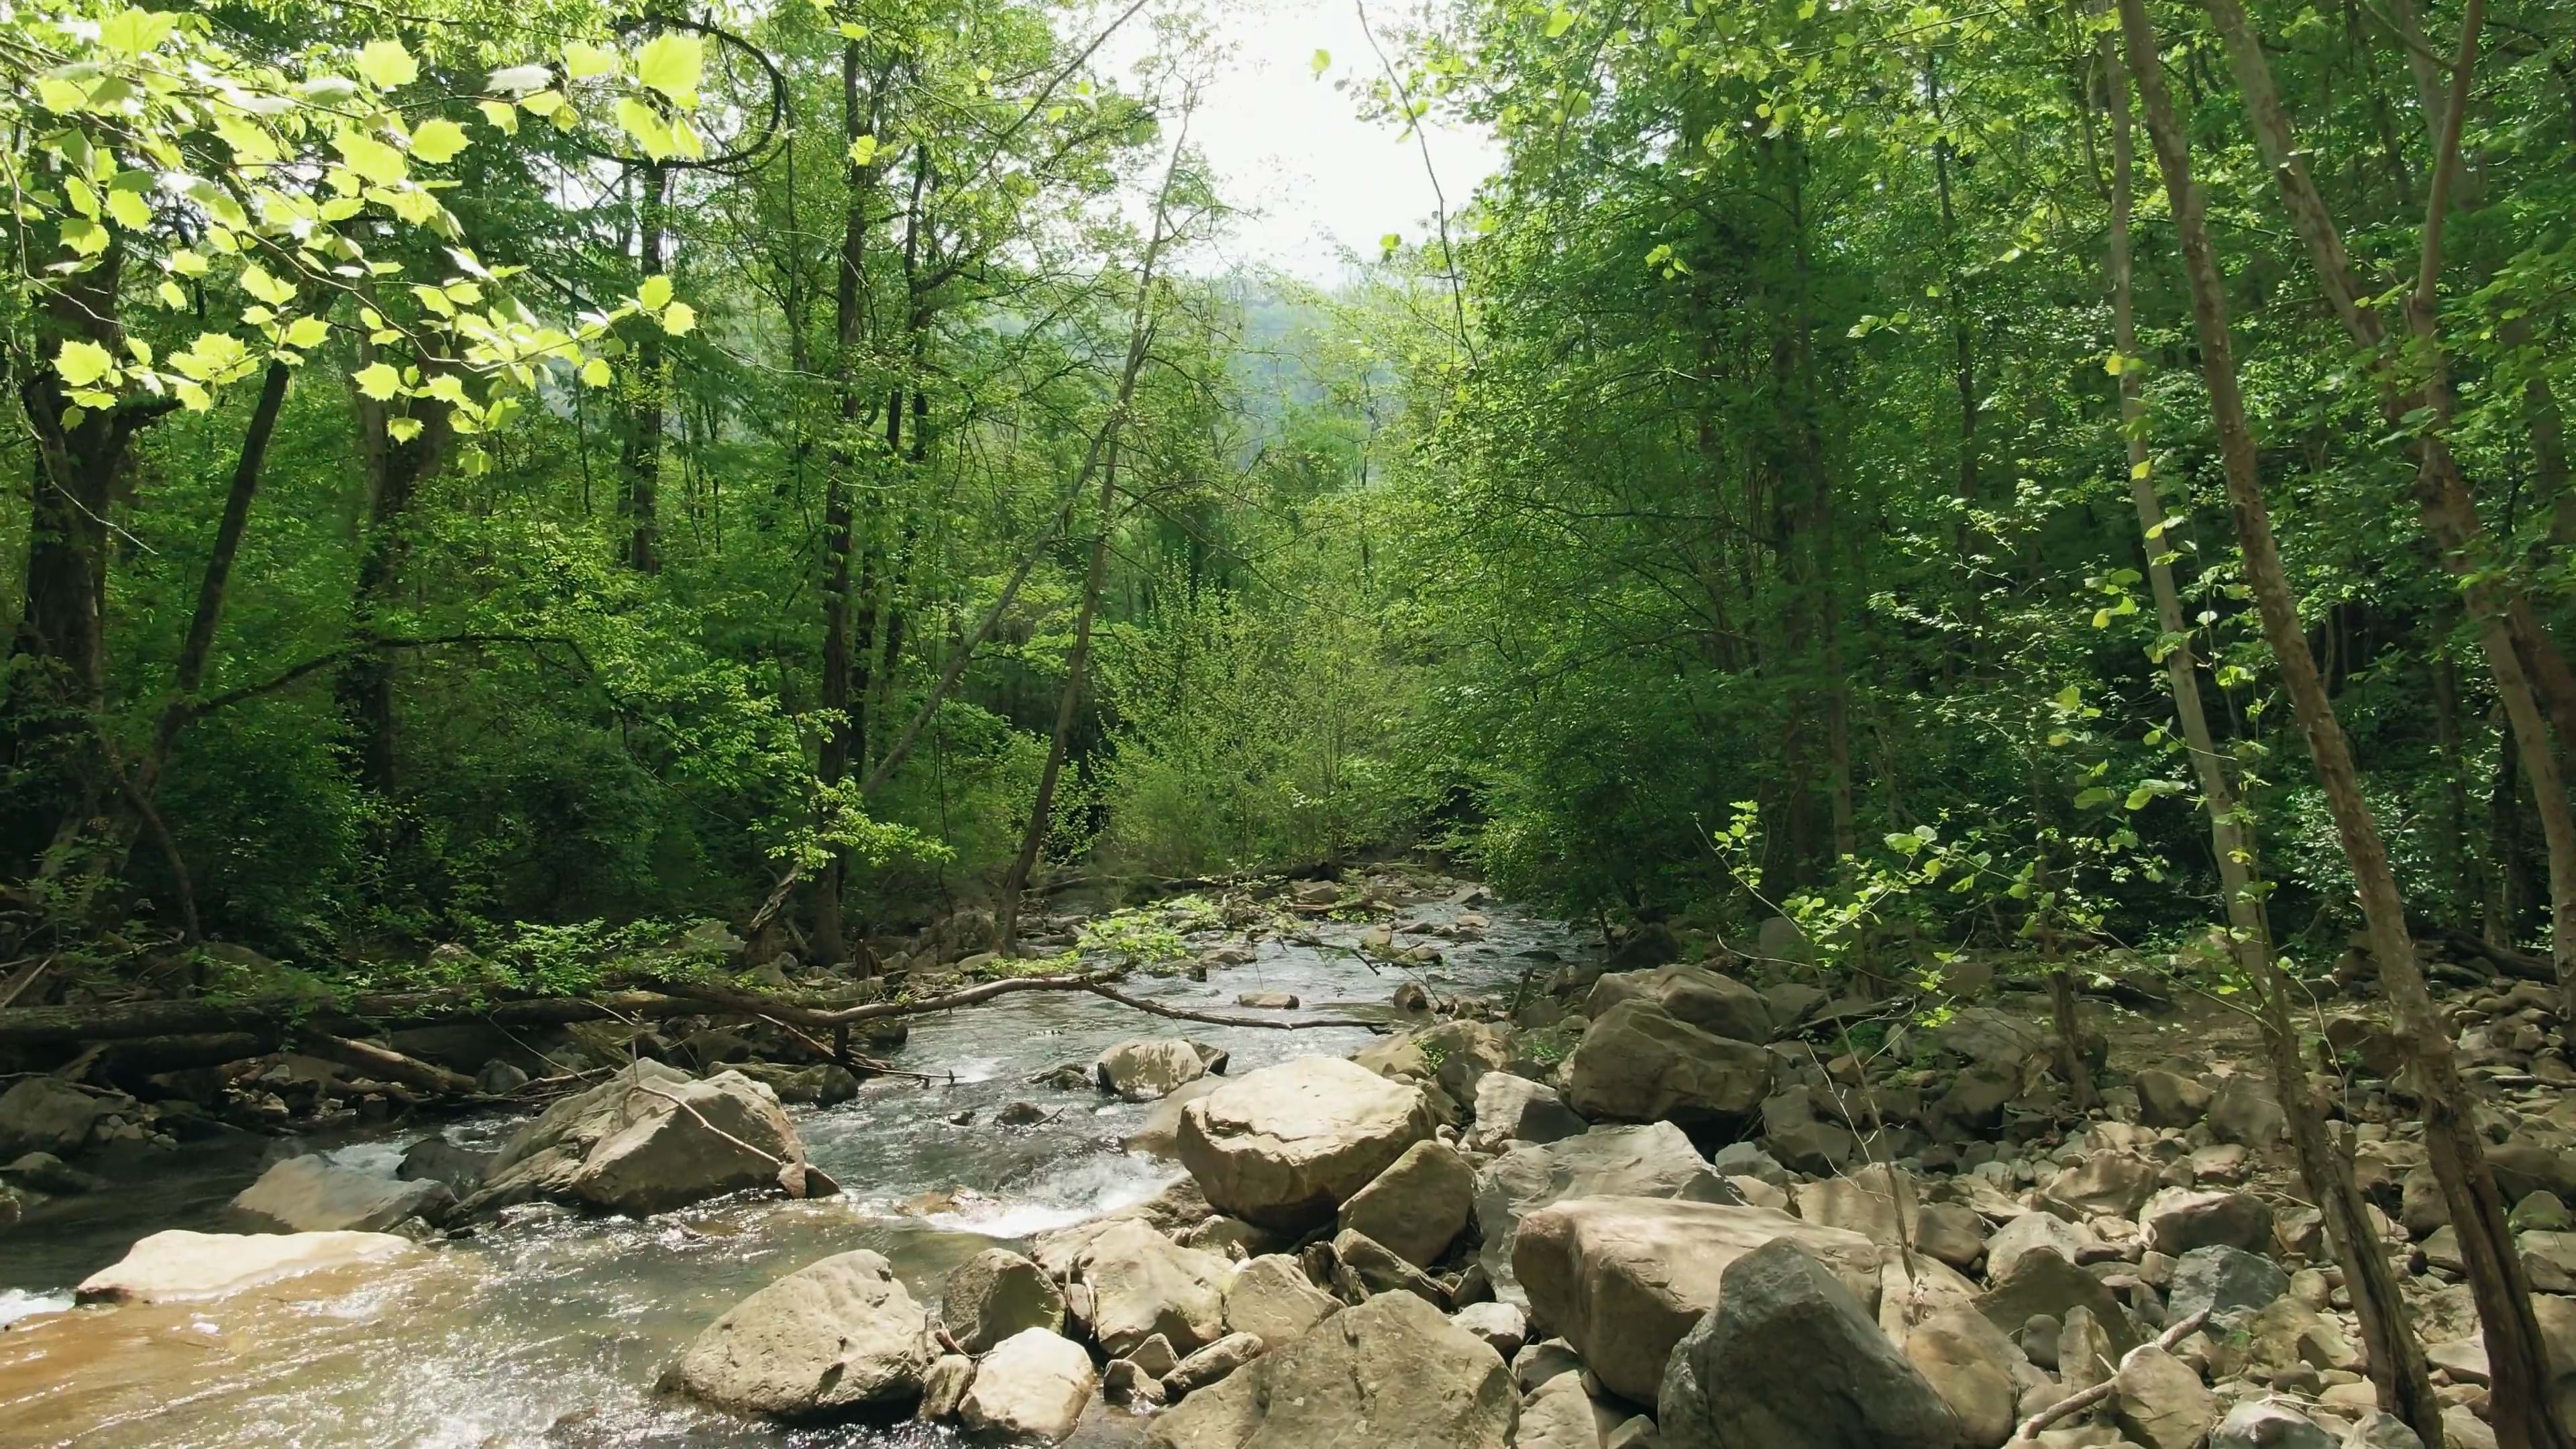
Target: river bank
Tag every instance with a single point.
(552, 1327)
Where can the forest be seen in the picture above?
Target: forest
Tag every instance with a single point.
(493, 487)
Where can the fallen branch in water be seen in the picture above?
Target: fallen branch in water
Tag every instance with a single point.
(1212, 1019)
(386, 1063)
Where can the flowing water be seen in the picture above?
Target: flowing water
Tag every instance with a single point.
(552, 1331)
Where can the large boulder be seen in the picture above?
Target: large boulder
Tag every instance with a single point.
(832, 1337)
(2104, 1184)
(1271, 1298)
(1148, 1067)
(1161, 1134)
(1388, 1374)
(996, 1294)
(2169, 1099)
(1718, 1005)
(1285, 1146)
(2179, 1219)
(1623, 1278)
(311, 1194)
(1879, 1202)
(1640, 1063)
(647, 1140)
(1416, 1207)
(823, 1084)
(177, 1264)
(1142, 1284)
(2032, 1233)
(2044, 1283)
(1789, 1358)
(1513, 1109)
(1034, 1386)
(1654, 1160)
(435, 1159)
(46, 1114)
(2221, 1281)
(2159, 1401)
(1970, 1364)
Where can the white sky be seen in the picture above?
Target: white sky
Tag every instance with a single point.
(1290, 149)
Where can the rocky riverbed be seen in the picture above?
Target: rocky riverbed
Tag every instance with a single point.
(1568, 1199)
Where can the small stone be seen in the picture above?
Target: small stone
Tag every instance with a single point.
(1501, 1326)
(1211, 1364)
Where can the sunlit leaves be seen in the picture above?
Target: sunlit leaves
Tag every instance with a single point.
(81, 364)
(863, 150)
(387, 65)
(378, 381)
(437, 140)
(671, 63)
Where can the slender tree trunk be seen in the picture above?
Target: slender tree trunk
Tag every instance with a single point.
(2517, 1358)
(1140, 338)
(647, 387)
(840, 529)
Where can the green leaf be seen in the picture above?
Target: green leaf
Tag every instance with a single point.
(655, 294)
(502, 116)
(80, 364)
(256, 281)
(437, 140)
(1322, 62)
(678, 318)
(307, 332)
(863, 150)
(597, 372)
(129, 209)
(671, 63)
(134, 32)
(372, 159)
(2070, 697)
(2088, 799)
(378, 381)
(402, 430)
(582, 60)
(1559, 21)
(386, 64)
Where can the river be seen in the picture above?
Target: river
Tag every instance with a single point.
(552, 1331)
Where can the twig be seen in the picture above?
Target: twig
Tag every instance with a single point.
(2074, 1404)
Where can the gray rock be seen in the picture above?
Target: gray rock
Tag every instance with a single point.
(2243, 1111)
(833, 1337)
(1537, 1363)
(2032, 1233)
(2046, 1283)
(2105, 1184)
(1502, 1326)
(1361, 1267)
(1287, 1145)
(944, 1387)
(499, 1079)
(2268, 1424)
(1272, 1297)
(996, 1294)
(1639, 1063)
(435, 1159)
(47, 1114)
(2376, 1429)
(1146, 1068)
(310, 1194)
(2084, 1356)
(1623, 1278)
(821, 1085)
(44, 1172)
(2160, 1402)
(1790, 1359)
(1388, 1374)
(1034, 1386)
(2169, 1099)
(647, 1140)
(1951, 1232)
(1161, 1134)
(2223, 1280)
(1747, 1159)
(1561, 1414)
(1970, 1364)
(2180, 1219)
(1418, 1206)
(1125, 1382)
(1718, 1005)
(1513, 1109)
(1142, 1284)
(1211, 1364)
(1655, 1160)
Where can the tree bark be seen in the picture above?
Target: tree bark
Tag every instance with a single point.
(647, 389)
(2516, 1354)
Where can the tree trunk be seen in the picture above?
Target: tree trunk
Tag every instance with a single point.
(647, 389)
(840, 530)
(2517, 1358)
(395, 469)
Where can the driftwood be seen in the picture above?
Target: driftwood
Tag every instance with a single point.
(385, 1064)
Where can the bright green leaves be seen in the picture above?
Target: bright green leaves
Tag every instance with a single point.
(437, 140)
(597, 373)
(671, 63)
(83, 364)
(307, 332)
(1559, 21)
(655, 294)
(386, 65)
(678, 318)
(863, 151)
(370, 160)
(583, 60)
(1322, 62)
(378, 381)
(135, 32)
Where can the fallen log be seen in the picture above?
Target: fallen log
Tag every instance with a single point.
(116, 1021)
(385, 1064)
